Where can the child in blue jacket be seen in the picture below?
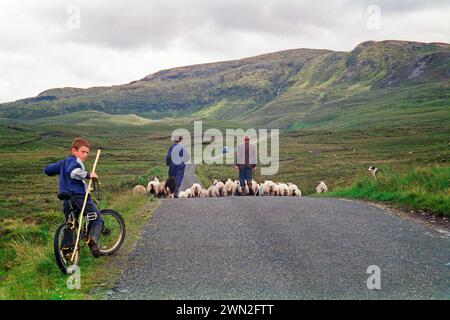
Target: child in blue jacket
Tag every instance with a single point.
(72, 176)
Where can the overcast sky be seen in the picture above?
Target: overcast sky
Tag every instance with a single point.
(81, 43)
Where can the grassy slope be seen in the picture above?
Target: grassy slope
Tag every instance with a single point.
(423, 187)
(94, 118)
(175, 92)
(290, 89)
(135, 153)
(371, 86)
(27, 258)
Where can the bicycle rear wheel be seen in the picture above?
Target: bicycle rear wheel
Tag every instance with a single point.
(63, 246)
(113, 233)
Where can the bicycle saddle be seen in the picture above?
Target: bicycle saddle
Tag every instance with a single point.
(64, 196)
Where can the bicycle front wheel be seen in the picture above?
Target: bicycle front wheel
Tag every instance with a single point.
(63, 246)
(113, 233)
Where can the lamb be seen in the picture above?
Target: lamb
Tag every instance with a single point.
(243, 190)
(283, 189)
(209, 191)
(268, 188)
(238, 188)
(253, 188)
(196, 190)
(230, 188)
(151, 187)
(182, 195)
(294, 191)
(161, 190)
(218, 189)
(248, 189)
(257, 189)
(261, 190)
(139, 189)
(322, 187)
(204, 193)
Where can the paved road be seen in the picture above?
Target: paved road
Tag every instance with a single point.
(283, 248)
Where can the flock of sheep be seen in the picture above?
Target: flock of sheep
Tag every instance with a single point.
(226, 188)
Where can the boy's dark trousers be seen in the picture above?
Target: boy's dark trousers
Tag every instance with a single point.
(245, 174)
(95, 226)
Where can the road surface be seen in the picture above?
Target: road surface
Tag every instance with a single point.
(283, 248)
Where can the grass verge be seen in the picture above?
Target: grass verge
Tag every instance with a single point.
(424, 187)
(29, 270)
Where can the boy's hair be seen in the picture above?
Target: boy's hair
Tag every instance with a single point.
(80, 142)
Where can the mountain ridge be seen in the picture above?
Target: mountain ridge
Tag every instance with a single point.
(288, 84)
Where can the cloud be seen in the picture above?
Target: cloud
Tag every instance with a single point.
(121, 41)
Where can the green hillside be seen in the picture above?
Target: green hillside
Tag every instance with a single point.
(245, 84)
(376, 84)
(93, 118)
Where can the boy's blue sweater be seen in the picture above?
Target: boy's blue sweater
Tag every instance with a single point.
(71, 175)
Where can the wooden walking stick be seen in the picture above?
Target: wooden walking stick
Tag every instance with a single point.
(88, 191)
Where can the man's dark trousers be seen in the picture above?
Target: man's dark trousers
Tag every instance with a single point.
(245, 173)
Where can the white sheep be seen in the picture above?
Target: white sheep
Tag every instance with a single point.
(294, 191)
(322, 187)
(139, 189)
(269, 188)
(152, 187)
(218, 189)
(196, 190)
(283, 189)
(182, 195)
(253, 187)
(257, 187)
(230, 188)
(204, 193)
(209, 191)
(161, 190)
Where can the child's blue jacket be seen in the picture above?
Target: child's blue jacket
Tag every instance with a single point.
(71, 173)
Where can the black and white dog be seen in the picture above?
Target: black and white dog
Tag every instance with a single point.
(374, 170)
(171, 185)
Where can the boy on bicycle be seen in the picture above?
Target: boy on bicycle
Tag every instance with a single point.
(72, 176)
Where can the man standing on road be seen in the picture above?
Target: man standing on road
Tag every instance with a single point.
(246, 163)
(175, 159)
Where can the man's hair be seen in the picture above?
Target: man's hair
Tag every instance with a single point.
(80, 142)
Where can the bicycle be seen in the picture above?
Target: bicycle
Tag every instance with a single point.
(111, 237)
